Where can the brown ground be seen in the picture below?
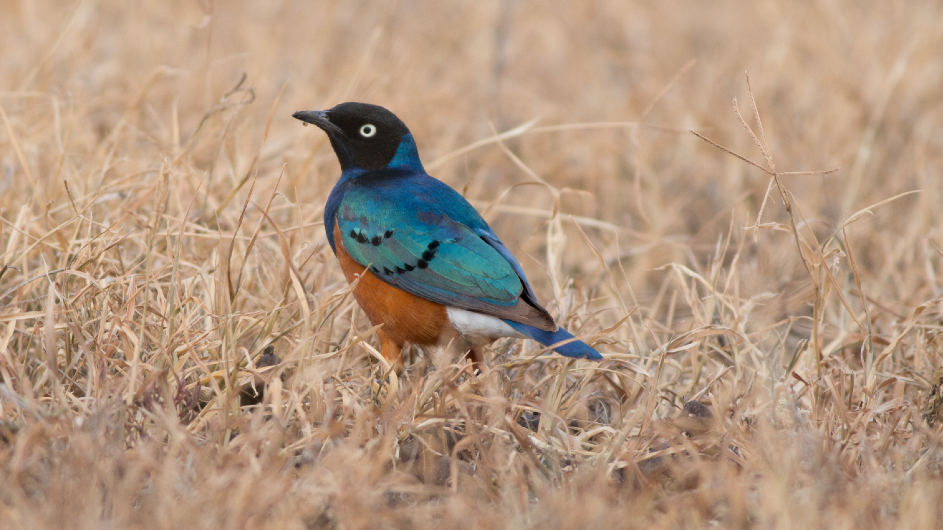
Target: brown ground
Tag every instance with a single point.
(160, 228)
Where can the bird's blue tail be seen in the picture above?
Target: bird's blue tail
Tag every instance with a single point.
(576, 349)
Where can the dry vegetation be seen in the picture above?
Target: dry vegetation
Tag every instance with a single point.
(161, 230)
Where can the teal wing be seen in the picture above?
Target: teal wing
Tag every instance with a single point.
(421, 250)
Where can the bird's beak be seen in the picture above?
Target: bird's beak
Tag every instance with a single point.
(319, 118)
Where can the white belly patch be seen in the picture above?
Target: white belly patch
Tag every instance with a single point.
(478, 327)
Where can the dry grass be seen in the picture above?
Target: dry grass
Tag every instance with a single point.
(161, 229)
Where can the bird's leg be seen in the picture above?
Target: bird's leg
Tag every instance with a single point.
(387, 385)
(391, 350)
(476, 354)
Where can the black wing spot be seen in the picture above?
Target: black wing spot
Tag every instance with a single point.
(422, 264)
(400, 270)
(387, 271)
(353, 234)
(409, 267)
(361, 238)
(376, 241)
(427, 255)
(432, 246)
(389, 233)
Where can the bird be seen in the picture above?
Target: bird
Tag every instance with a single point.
(426, 267)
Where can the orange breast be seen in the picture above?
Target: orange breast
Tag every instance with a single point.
(405, 317)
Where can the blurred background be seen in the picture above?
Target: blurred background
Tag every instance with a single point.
(141, 142)
(853, 86)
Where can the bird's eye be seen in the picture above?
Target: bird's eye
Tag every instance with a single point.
(368, 130)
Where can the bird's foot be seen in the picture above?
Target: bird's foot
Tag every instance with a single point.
(384, 387)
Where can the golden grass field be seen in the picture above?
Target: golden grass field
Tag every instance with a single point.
(163, 255)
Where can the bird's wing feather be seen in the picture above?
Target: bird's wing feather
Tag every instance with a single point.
(416, 247)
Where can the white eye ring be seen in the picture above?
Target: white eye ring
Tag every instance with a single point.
(368, 130)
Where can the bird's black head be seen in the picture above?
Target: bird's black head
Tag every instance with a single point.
(365, 136)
